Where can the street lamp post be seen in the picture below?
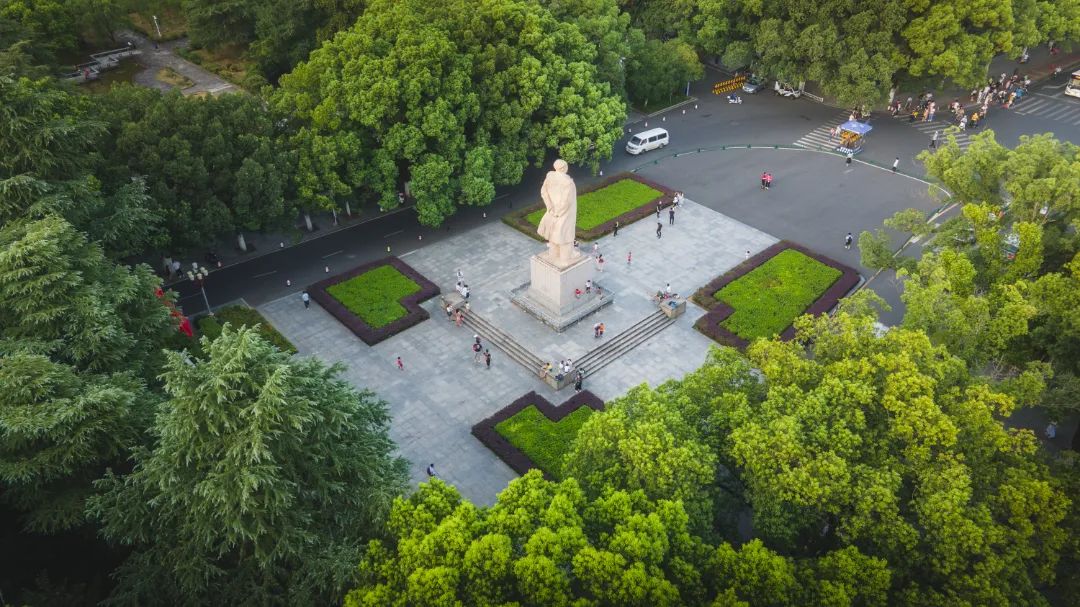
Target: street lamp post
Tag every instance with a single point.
(197, 274)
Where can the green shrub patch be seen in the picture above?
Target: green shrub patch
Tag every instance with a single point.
(242, 316)
(533, 433)
(374, 296)
(625, 198)
(768, 298)
(763, 295)
(376, 300)
(544, 441)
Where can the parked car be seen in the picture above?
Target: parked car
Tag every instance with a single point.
(753, 85)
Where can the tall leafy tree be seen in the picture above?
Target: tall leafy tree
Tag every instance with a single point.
(79, 339)
(456, 98)
(266, 475)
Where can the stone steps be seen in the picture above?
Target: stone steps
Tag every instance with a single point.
(622, 343)
(495, 336)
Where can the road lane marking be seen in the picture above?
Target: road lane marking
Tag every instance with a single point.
(331, 254)
(393, 233)
(265, 274)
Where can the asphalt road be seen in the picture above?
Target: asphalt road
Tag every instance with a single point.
(824, 202)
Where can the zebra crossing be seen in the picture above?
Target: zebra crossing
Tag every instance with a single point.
(1051, 108)
(820, 137)
(963, 138)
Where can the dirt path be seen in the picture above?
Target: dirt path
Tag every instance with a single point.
(164, 56)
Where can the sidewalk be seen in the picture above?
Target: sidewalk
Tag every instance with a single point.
(163, 57)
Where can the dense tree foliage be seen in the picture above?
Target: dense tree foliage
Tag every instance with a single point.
(212, 166)
(456, 98)
(266, 475)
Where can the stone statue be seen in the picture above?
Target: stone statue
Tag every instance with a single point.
(558, 223)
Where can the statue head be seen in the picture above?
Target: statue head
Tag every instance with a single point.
(561, 166)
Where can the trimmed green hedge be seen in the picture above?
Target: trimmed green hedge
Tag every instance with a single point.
(239, 316)
(605, 204)
(374, 296)
(544, 441)
(768, 298)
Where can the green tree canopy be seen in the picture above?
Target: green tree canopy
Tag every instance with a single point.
(266, 475)
(456, 98)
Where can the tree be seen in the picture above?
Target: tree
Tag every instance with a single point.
(604, 26)
(540, 544)
(213, 167)
(454, 98)
(659, 70)
(79, 342)
(266, 474)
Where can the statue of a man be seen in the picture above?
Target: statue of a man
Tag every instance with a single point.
(557, 225)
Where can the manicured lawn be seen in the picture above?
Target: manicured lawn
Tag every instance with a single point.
(374, 295)
(238, 316)
(605, 204)
(544, 441)
(768, 298)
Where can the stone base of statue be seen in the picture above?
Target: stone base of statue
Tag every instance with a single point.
(551, 294)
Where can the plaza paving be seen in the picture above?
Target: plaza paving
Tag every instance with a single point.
(441, 393)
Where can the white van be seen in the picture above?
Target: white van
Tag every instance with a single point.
(647, 140)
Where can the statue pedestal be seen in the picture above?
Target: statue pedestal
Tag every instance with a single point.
(549, 296)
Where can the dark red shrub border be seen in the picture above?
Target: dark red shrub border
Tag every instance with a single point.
(514, 457)
(516, 219)
(709, 324)
(371, 335)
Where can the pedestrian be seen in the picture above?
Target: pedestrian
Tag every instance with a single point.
(763, 180)
(545, 370)
(848, 159)
(577, 293)
(401, 198)
(616, 232)
(933, 140)
(895, 164)
(578, 380)
(677, 201)
(176, 268)
(747, 255)
(460, 277)
(671, 215)
(1051, 431)
(659, 228)
(449, 312)
(667, 291)
(658, 210)
(600, 263)
(431, 471)
(477, 349)
(588, 287)
(304, 297)
(832, 133)
(458, 318)
(629, 257)
(599, 292)
(465, 291)
(487, 358)
(400, 365)
(768, 181)
(596, 331)
(848, 240)
(596, 249)
(602, 329)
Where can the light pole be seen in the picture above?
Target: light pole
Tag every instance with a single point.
(157, 27)
(197, 274)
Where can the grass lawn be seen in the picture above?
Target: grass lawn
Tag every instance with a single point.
(605, 204)
(768, 298)
(238, 316)
(374, 295)
(170, 18)
(229, 61)
(544, 441)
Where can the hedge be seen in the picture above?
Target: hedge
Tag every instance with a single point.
(757, 322)
(381, 308)
(621, 198)
(543, 445)
(243, 316)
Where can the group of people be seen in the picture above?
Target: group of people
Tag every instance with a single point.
(766, 180)
(566, 367)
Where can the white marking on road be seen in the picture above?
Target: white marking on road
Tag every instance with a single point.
(409, 253)
(331, 254)
(265, 274)
(393, 233)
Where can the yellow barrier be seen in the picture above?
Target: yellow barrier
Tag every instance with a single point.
(726, 86)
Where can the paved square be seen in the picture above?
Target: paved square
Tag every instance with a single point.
(441, 393)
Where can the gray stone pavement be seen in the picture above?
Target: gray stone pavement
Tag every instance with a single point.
(441, 393)
(165, 57)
